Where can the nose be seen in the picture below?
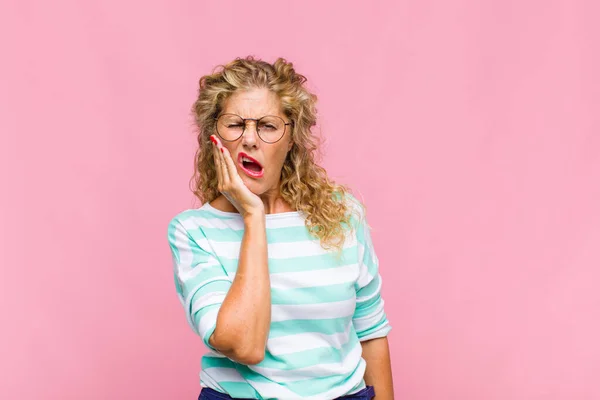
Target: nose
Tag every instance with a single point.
(250, 136)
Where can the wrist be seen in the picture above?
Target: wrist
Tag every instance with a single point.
(254, 215)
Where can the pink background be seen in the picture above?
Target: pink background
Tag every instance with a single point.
(470, 128)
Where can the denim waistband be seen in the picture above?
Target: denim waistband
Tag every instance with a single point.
(210, 394)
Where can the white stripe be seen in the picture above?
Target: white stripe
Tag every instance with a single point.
(218, 223)
(207, 321)
(285, 312)
(237, 224)
(186, 271)
(185, 267)
(306, 279)
(382, 332)
(338, 391)
(293, 221)
(307, 341)
(364, 277)
(185, 252)
(362, 323)
(271, 390)
(362, 299)
(207, 381)
(304, 248)
(274, 391)
(211, 353)
(314, 371)
(220, 374)
(190, 295)
(207, 300)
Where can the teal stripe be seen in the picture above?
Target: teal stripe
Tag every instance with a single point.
(382, 325)
(208, 272)
(308, 263)
(289, 235)
(216, 362)
(178, 286)
(367, 307)
(218, 234)
(371, 288)
(171, 238)
(205, 310)
(323, 326)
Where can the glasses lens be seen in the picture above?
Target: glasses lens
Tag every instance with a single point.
(230, 127)
(271, 128)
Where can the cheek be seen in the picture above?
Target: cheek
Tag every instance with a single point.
(279, 156)
(229, 146)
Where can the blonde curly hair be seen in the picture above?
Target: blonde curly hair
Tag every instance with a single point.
(304, 184)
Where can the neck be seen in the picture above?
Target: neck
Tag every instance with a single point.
(273, 201)
(275, 204)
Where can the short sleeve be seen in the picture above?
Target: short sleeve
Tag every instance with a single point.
(200, 280)
(369, 319)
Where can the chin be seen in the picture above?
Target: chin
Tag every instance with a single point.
(253, 185)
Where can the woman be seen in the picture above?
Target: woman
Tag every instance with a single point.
(276, 270)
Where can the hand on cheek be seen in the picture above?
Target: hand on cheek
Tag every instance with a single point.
(231, 184)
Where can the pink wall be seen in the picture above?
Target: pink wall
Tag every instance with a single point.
(470, 128)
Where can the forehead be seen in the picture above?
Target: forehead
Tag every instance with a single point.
(253, 103)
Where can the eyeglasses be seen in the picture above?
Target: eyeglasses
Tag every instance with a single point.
(270, 128)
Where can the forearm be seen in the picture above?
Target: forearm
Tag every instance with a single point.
(245, 315)
(379, 368)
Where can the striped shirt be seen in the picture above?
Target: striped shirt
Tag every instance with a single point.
(324, 303)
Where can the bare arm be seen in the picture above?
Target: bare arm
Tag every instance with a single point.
(245, 315)
(379, 368)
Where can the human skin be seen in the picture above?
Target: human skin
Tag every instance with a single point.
(378, 374)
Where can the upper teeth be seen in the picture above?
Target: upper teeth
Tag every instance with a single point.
(246, 159)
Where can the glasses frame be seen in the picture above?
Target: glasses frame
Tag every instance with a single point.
(256, 120)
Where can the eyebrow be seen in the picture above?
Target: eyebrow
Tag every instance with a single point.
(264, 115)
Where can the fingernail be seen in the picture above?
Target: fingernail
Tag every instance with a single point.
(222, 150)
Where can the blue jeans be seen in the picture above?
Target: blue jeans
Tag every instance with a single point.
(210, 394)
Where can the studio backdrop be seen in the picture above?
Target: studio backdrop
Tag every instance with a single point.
(470, 129)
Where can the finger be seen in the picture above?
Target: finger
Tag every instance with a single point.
(217, 158)
(224, 168)
(231, 169)
(221, 150)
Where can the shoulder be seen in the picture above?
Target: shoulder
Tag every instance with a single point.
(191, 219)
(355, 208)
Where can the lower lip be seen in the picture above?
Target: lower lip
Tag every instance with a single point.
(253, 174)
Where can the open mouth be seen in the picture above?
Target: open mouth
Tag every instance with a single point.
(250, 166)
